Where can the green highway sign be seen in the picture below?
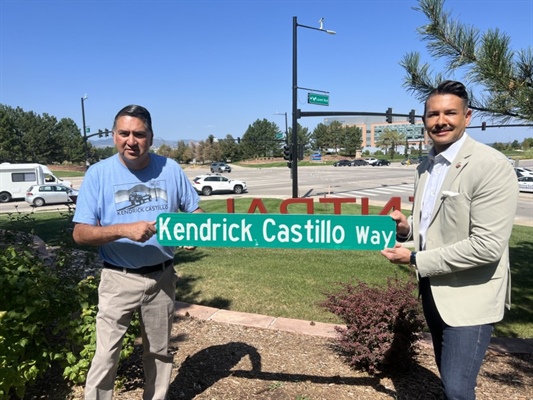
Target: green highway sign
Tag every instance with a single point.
(296, 231)
(319, 99)
(280, 135)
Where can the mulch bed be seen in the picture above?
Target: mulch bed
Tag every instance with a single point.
(221, 361)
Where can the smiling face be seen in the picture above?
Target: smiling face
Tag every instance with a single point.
(132, 140)
(446, 117)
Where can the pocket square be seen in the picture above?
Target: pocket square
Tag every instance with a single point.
(447, 193)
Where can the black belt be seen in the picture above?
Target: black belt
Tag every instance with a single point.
(142, 270)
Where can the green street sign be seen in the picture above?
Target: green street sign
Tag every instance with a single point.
(88, 129)
(319, 99)
(280, 135)
(286, 231)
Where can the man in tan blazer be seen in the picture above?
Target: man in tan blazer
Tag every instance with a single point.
(465, 201)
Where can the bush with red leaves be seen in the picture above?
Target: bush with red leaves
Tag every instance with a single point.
(382, 323)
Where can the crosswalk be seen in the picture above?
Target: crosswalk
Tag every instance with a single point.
(406, 189)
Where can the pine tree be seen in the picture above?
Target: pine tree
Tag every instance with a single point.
(502, 77)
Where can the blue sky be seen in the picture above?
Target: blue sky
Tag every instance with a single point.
(216, 66)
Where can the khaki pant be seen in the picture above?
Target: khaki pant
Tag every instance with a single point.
(119, 295)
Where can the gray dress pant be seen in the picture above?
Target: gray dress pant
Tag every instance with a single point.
(120, 294)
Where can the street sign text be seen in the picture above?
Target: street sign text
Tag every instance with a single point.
(300, 231)
(318, 99)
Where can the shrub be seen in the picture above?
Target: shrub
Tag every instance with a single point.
(47, 314)
(382, 324)
(35, 311)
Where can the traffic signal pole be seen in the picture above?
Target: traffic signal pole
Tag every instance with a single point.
(295, 111)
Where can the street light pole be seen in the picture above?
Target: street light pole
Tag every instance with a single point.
(286, 129)
(295, 116)
(84, 132)
(295, 110)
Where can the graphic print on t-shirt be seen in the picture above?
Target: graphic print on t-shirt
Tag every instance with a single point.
(141, 197)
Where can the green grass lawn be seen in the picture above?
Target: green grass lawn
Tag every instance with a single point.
(292, 283)
(67, 174)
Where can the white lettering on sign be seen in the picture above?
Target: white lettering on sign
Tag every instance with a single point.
(364, 235)
(162, 228)
(207, 231)
(315, 232)
(280, 231)
(285, 233)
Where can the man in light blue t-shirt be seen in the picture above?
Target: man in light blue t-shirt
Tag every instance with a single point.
(117, 207)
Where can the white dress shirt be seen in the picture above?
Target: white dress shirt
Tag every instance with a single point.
(439, 166)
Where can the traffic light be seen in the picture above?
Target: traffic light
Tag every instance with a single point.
(389, 115)
(102, 133)
(412, 117)
(301, 152)
(483, 126)
(289, 164)
(287, 153)
(239, 140)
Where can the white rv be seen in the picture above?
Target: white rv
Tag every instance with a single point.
(16, 179)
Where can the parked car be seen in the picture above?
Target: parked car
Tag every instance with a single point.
(39, 195)
(381, 162)
(525, 184)
(359, 163)
(211, 183)
(411, 161)
(371, 160)
(521, 171)
(342, 163)
(220, 167)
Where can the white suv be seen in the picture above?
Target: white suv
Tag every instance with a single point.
(371, 160)
(210, 183)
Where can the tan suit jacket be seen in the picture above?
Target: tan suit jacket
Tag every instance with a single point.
(467, 254)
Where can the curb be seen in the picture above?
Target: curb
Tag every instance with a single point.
(299, 326)
(320, 329)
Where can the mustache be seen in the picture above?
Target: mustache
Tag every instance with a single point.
(441, 129)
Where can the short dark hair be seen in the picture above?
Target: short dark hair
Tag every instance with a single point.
(450, 87)
(136, 111)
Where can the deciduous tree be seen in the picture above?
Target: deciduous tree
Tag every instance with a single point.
(259, 140)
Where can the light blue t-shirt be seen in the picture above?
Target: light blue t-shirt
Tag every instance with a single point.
(113, 194)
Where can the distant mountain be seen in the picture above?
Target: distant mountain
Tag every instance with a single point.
(108, 142)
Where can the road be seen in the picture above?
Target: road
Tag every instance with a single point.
(378, 184)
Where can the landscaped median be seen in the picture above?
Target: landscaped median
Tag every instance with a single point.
(290, 283)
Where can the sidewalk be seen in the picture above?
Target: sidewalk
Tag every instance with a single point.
(499, 345)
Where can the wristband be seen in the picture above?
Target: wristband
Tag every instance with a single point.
(412, 259)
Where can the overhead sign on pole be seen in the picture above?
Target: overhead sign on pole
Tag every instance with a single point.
(296, 231)
(318, 99)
